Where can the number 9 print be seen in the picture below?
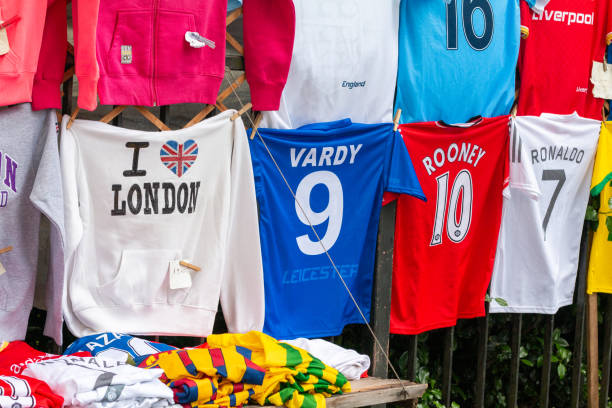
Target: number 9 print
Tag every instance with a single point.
(332, 213)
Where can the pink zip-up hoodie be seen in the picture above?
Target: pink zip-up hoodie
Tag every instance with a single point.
(32, 70)
(145, 59)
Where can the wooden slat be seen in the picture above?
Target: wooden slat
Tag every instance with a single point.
(234, 43)
(231, 17)
(201, 115)
(481, 362)
(228, 91)
(546, 364)
(112, 114)
(371, 391)
(517, 323)
(221, 106)
(580, 318)
(152, 118)
(242, 111)
(592, 353)
(220, 98)
(447, 365)
(606, 353)
(381, 296)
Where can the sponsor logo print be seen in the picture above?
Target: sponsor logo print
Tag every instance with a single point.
(568, 17)
(353, 84)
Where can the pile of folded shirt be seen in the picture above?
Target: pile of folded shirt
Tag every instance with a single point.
(294, 377)
(121, 371)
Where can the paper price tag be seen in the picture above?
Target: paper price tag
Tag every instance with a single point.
(180, 277)
(4, 43)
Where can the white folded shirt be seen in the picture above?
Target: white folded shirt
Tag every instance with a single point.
(94, 381)
(348, 362)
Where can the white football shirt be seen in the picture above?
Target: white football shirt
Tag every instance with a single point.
(344, 64)
(537, 252)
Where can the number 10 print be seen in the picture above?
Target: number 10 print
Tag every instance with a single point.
(456, 230)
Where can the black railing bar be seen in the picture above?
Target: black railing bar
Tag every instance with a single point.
(447, 365)
(481, 361)
(546, 364)
(580, 317)
(515, 346)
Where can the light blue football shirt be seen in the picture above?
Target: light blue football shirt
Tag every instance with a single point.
(233, 4)
(338, 171)
(457, 59)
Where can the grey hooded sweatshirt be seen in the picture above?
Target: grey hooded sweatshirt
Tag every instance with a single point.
(30, 184)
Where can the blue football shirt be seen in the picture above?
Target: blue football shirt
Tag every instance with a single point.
(338, 171)
(117, 346)
(457, 59)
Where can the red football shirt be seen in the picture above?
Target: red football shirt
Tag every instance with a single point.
(445, 247)
(16, 355)
(25, 392)
(557, 53)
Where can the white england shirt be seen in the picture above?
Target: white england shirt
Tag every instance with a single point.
(344, 64)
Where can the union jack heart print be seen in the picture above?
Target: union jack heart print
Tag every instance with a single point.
(178, 157)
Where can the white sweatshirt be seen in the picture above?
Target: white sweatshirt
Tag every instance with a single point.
(137, 203)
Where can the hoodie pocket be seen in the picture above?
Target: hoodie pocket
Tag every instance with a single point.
(174, 54)
(130, 51)
(142, 278)
(10, 63)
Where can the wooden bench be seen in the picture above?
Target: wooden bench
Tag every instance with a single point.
(374, 391)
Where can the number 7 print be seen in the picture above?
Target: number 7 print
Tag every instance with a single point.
(559, 177)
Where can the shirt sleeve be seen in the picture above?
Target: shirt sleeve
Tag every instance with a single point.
(602, 171)
(525, 20)
(73, 224)
(47, 196)
(52, 59)
(537, 5)
(400, 176)
(85, 21)
(608, 31)
(521, 174)
(242, 289)
(269, 30)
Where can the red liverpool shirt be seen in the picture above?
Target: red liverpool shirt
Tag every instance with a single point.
(557, 53)
(445, 247)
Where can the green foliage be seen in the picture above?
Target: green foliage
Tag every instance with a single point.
(499, 356)
(498, 300)
(432, 398)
